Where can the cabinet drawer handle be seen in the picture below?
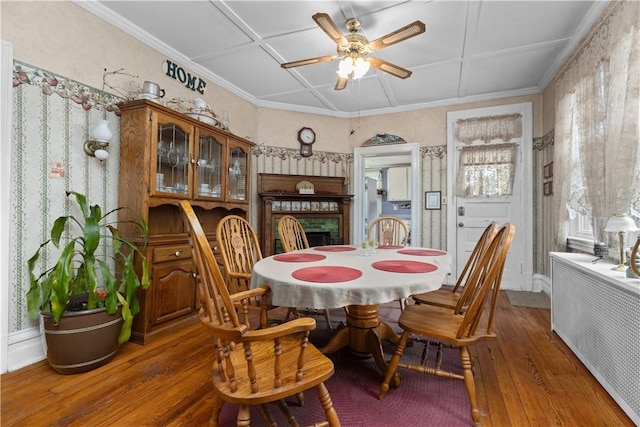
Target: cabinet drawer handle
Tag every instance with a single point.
(215, 249)
(177, 253)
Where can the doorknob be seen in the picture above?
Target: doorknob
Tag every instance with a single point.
(461, 224)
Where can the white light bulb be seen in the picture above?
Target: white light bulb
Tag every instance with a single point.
(345, 67)
(101, 154)
(361, 68)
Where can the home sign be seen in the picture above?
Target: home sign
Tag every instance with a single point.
(178, 73)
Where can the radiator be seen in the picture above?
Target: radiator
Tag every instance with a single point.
(596, 312)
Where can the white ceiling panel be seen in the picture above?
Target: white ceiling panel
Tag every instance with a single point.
(509, 72)
(472, 49)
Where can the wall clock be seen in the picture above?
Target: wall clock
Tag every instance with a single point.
(306, 137)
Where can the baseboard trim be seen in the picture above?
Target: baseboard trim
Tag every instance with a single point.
(25, 348)
(542, 283)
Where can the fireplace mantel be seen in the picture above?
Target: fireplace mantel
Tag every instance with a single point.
(279, 197)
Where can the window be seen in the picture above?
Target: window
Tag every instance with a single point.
(486, 170)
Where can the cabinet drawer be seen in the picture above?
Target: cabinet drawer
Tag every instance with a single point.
(171, 253)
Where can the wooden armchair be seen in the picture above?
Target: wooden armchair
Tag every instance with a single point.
(254, 366)
(450, 298)
(388, 230)
(449, 326)
(240, 251)
(293, 238)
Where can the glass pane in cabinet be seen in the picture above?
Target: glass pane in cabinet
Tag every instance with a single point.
(237, 174)
(172, 173)
(209, 168)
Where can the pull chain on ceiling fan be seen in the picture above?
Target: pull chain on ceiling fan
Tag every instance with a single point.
(353, 49)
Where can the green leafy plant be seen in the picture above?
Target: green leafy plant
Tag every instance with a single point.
(76, 269)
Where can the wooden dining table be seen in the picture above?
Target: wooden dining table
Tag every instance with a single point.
(326, 277)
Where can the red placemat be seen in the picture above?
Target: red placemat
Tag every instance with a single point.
(327, 274)
(421, 252)
(334, 248)
(299, 257)
(402, 266)
(389, 247)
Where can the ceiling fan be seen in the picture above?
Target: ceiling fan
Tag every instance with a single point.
(353, 49)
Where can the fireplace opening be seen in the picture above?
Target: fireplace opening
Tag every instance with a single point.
(319, 238)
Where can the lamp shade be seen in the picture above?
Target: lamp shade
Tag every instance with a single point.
(621, 222)
(101, 132)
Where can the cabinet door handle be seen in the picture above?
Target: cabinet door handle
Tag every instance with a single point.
(177, 253)
(215, 249)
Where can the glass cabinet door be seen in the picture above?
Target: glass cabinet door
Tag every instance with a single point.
(172, 167)
(209, 166)
(238, 189)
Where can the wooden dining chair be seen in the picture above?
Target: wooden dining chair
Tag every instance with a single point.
(449, 298)
(293, 238)
(389, 231)
(459, 330)
(240, 250)
(254, 366)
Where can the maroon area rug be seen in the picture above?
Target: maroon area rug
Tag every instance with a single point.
(421, 400)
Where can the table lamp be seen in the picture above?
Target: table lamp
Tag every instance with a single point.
(620, 223)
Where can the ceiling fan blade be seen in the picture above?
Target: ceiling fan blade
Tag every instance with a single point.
(327, 25)
(406, 32)
(341, 83)
(308, 61)
(390, 68)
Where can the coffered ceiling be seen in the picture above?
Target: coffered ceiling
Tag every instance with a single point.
(471, 50)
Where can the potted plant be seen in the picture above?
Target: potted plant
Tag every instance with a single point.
(81, 288)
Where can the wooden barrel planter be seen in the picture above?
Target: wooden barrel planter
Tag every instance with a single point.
(83, 340)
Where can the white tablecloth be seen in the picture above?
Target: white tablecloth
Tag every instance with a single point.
(373, 287)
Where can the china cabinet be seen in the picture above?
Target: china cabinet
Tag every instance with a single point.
(166, 156)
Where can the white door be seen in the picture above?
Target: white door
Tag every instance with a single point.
(469, 216)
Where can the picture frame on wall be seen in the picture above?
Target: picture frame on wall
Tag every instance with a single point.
(432, 200)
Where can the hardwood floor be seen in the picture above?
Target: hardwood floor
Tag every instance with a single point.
(527, 377)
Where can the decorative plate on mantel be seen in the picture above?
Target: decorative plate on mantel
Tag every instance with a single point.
(305, 187)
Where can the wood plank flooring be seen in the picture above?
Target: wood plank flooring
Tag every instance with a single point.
(526, 377)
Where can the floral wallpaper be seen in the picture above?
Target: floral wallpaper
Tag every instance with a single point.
(52, 117)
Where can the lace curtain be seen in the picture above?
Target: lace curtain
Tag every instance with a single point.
(486, 170)
(505, 127)
(597, 159)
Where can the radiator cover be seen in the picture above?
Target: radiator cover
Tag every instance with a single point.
(596, 312)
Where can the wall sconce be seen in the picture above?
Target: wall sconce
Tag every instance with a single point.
(620, 223)
(97, 147)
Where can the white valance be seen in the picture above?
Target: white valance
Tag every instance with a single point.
(488, 128)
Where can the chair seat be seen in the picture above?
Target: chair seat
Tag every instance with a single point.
(317, 368)
(436, 323)
(440, 297)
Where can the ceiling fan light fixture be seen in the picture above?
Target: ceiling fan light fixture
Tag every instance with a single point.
(353, 68)
(345, 68)
(360, 68)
